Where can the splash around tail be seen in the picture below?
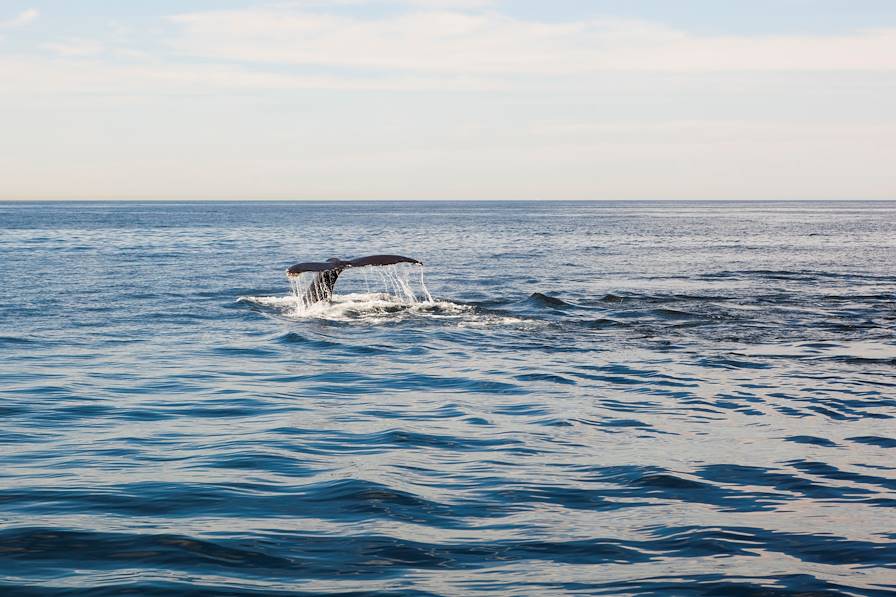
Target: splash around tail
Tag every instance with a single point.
(314, 282)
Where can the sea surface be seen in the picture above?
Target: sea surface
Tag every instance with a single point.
(674, 398)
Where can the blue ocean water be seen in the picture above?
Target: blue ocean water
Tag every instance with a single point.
(602, 398)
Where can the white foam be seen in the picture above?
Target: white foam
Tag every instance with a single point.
(353, 306)
(397, 300)
(380, 308)
(288, 301)
(392, 280)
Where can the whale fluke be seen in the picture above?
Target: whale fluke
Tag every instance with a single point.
(328, 271)
(333, 263)
(381, 260)
(314, 266)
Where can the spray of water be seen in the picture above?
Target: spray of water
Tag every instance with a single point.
(390, 284)
(390, 291)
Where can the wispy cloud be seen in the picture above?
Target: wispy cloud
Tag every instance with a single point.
(487, 42)
(306, 44)
(403, 96)
(22, 19)
(77, 47)
(76, 71)
(441, 4)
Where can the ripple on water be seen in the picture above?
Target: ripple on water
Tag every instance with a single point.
(674, 411)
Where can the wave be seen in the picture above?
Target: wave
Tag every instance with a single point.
(278, 557)
(542, 300)
(752, 323)
(802, 275)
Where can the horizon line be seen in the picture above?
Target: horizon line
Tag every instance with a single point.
(423, 200)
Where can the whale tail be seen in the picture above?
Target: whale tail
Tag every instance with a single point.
(327, 272)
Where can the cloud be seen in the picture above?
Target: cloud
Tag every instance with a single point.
(77, 72)
(422, 48)
(24, 18)
(77, 47)
(455, 4)
(487, 42)
(215, 104)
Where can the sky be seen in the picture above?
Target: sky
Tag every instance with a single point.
(448, 99)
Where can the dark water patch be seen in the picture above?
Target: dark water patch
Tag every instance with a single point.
(52, 392)
(358, 500)
(445, 411)
(649, 299)
(625, 427)
(873, 440)
(626, 375)
(522, 409)
(173, 318)
(811, 440)
(857, 360)
(15, 437)
(623, 423)
(331, 442)
(659, 484)
(823, 548)
(798, 275)
(15, 410)
(605, 323)
(139, 499)
(336, 382)
(348, 499)
(224, 411)
(528, 498)
(88, 411)
(50, 548)
(487, 304)
(437, 383)
(243, 351)
(194, 588)
(549, 377)
(401, 439)
(366, 556)
(714, 585)
(827, 471)
(717, 362)
(478, 421)
(859, 297)
(842, 413)
(675, 314)
(366, 350)
(852, 326)
(258, 461)
(293, 338)
(784, 483)
(555, 422)
(18, 342)
(542, 300)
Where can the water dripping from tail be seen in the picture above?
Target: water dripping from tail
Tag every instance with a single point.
(391, 284)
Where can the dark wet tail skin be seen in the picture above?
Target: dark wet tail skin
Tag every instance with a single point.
(321, 288)
(328, 272)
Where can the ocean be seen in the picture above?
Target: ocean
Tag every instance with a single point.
(601, 398)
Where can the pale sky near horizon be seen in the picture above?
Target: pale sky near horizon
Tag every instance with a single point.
(448, 99)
